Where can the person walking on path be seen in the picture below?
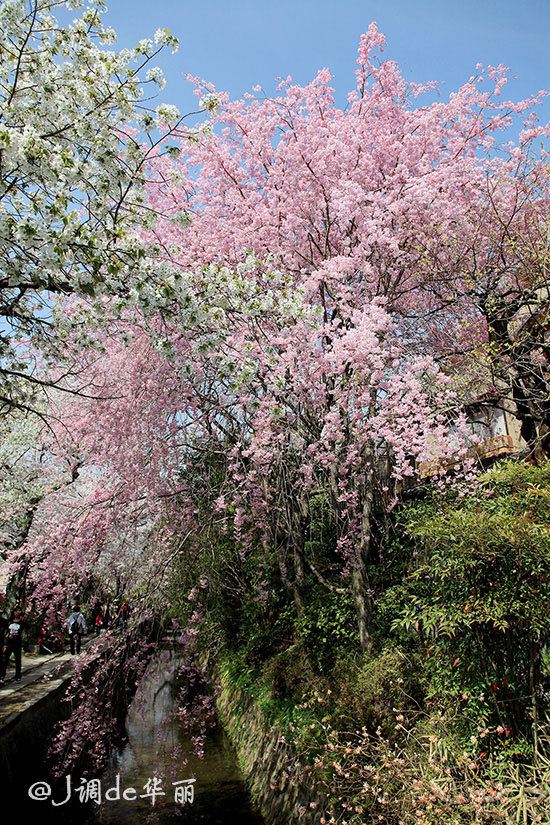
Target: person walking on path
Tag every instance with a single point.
(14, 641)
(98, 624)
(3, 639)
(76, 627)
(124, 613)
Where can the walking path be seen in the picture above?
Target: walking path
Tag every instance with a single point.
(39, 676)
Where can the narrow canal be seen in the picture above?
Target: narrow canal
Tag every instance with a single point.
(157, 754)
(157, 748)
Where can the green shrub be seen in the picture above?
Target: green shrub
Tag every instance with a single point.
(326, 626)
(289, 674)
(371, 689)
(477, 599)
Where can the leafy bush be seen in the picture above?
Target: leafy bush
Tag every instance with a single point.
(371, 688)
(478, 596)
(289, 673)
(326, 626)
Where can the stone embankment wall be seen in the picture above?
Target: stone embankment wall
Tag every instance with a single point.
(26, 732)
(282, 791)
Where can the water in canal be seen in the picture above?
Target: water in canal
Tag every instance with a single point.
(157, 748)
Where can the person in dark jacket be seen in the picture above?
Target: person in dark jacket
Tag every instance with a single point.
(76, 628)
(14, 642)
(3, 638)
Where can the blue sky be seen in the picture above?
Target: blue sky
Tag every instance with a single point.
(238, 43)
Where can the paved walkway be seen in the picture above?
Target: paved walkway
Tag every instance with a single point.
(37, 672)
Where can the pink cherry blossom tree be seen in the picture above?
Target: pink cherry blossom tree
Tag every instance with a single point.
(331, 287)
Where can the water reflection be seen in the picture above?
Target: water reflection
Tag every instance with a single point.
(157, 749)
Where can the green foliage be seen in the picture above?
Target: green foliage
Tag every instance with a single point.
(477, 598)
(289, 673)
(321, 533)
(297, 719)
(237, 672)
(488, 553)
(326, 626)
(372, 688)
